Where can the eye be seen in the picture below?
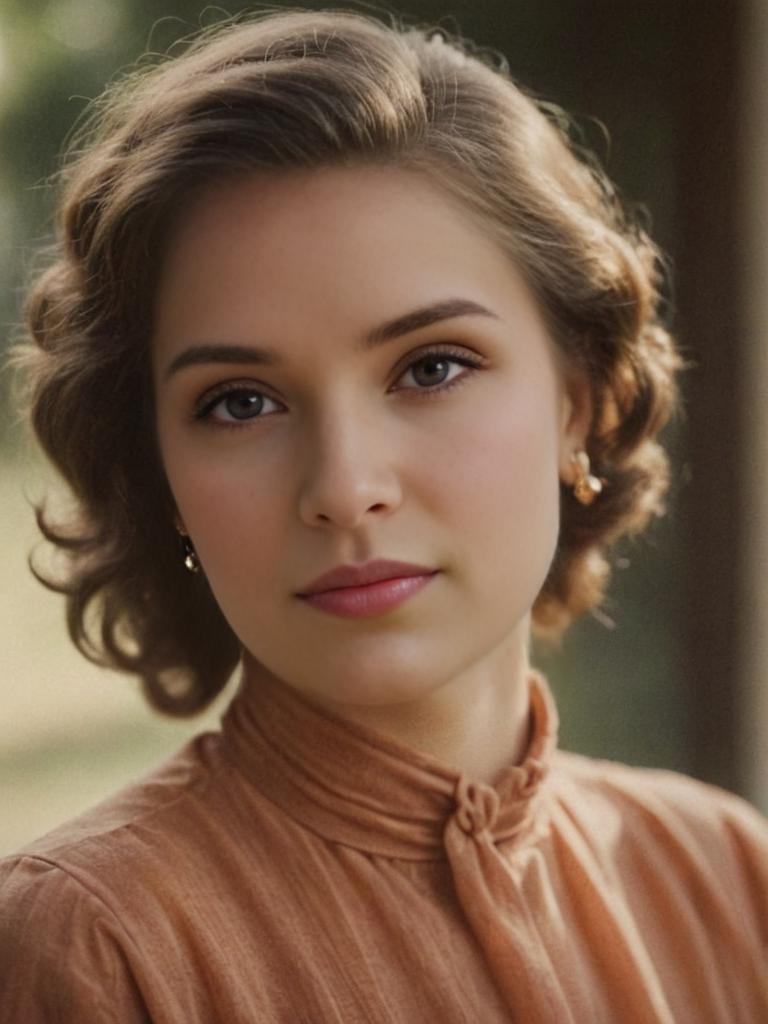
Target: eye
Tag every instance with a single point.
(235, 405)
(435, 363)
(232, 405)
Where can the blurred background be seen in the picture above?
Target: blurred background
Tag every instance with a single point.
(673, 673)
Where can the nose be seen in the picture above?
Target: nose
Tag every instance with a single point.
(348, 473)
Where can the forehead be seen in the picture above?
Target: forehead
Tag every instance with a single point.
(337, 248)
(329, 210)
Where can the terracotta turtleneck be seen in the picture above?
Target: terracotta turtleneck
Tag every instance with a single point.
(352, 785)
(297, 868)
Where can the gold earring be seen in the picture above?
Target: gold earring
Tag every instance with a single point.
(191, 560)
(586, 487)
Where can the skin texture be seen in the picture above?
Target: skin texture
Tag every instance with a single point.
(354, 454)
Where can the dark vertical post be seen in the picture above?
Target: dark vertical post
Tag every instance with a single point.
(753, 746)
(711, 324)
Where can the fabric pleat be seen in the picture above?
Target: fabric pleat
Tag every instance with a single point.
(296, 868)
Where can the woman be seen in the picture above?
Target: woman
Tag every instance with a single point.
(356, 371)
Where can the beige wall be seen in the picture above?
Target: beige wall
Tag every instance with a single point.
(70, 733)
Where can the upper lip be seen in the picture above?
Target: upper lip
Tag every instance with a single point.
(359, 575)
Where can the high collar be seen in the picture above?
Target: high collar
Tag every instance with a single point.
(352, 785)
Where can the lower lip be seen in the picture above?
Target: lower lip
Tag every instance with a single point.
(353, 602)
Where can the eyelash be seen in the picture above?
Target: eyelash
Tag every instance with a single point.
(206, 405)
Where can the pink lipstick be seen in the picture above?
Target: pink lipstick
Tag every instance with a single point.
(368, 589)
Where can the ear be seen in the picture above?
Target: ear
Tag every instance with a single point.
(575, 420)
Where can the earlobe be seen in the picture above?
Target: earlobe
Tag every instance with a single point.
(575, 465)
(586, 487)
(191, 561)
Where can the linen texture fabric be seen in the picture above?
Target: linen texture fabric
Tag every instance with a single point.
(299, 869)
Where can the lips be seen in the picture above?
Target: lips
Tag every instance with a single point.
(360, 575)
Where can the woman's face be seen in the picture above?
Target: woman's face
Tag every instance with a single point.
(338, 451)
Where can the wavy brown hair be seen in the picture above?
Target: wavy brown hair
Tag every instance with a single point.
(303, 89)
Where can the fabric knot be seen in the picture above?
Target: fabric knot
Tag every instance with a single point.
(477, 806)
(535, 771)
(366, 790)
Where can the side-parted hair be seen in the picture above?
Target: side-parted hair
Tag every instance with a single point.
(301, 89)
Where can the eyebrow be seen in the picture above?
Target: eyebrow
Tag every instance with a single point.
(447, 309)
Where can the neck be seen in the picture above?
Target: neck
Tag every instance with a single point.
(475, 723)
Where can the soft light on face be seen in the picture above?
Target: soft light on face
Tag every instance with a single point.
(340, 452)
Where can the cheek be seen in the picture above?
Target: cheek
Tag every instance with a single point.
(502, 464)
(501, 492)
(235, 516)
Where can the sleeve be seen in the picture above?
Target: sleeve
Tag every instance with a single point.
(746, 832)
(731, 836)
(62, 951)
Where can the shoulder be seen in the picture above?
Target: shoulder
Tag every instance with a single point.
(660, 796)
(181, 828)
(40, 899)
(64, 954)
(71, 926)
(118, 837)
(658, 820)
